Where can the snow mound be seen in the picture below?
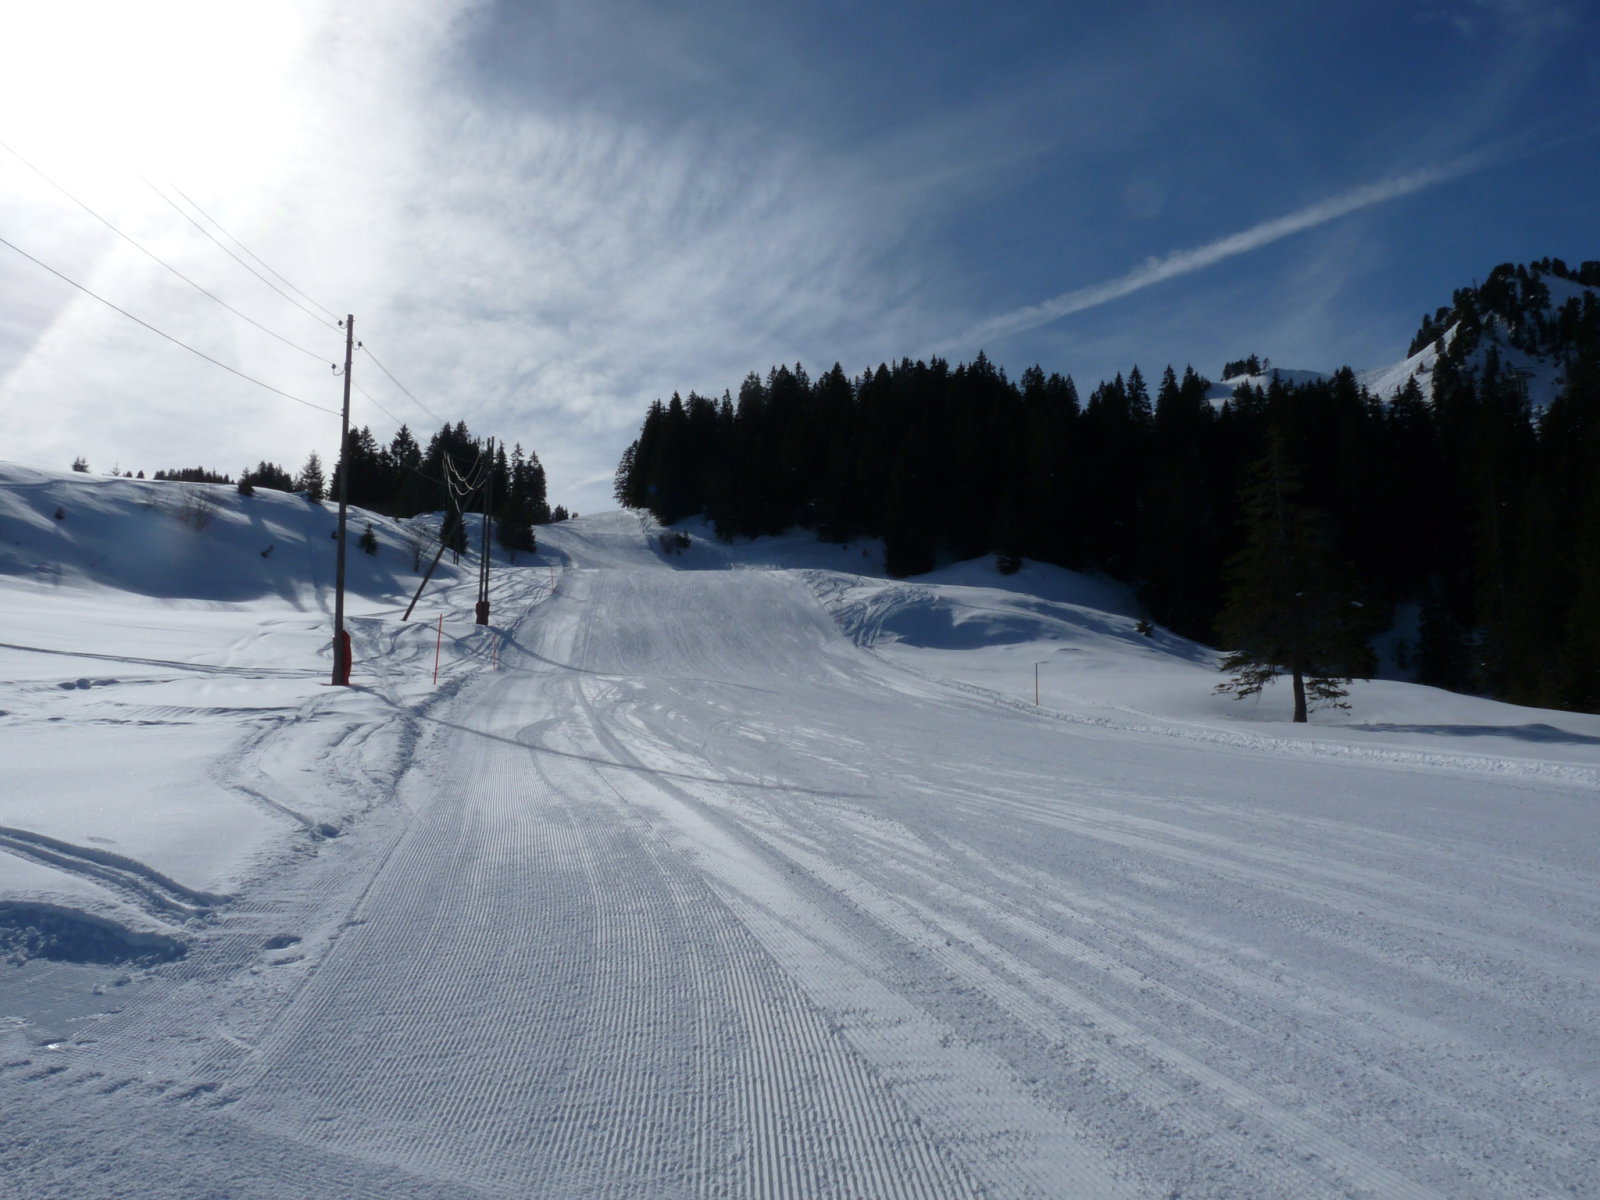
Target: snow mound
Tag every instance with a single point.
(194, 541)
(958, 608)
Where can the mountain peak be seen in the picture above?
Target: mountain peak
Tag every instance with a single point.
(1524, 319)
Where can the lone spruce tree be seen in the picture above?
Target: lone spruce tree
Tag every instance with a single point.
(1289, 608)
(311, 480)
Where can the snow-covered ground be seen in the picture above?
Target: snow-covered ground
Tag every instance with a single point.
(747, 872)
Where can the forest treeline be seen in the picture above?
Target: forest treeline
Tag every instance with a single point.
(1469, 505)
(403, 478)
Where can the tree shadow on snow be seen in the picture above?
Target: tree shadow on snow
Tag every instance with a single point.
(1522, 733)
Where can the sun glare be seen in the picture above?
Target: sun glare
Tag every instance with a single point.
(175, 89)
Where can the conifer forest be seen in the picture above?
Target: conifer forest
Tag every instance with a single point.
(1462, 511)
(405, 478)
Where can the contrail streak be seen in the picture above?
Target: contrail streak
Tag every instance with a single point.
(1183, 262)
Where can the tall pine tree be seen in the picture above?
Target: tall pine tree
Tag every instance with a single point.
(1289, 609)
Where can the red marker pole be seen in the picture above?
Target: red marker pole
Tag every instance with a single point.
(437, 646)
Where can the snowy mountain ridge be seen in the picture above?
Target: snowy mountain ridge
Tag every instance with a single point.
(1527, 319)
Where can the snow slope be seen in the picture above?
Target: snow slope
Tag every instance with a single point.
(163, 650)
(1541, 376)
(746, 872)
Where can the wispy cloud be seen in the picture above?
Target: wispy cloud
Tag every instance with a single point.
(1185, 262)
(540, 270)
(1525, 18)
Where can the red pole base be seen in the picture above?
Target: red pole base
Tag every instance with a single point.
(341, 659)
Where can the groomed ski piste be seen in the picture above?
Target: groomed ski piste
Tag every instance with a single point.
(745, 871)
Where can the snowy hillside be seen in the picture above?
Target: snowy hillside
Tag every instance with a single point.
(1387, 382)
(154, 632)
(1541, 375)
(1526, 318)
(184, 541)
(743, 870)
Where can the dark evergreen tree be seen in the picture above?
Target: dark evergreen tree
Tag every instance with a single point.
(1444, 645)
(626, 488)
(311, 480)
(191, 475)
(528, 485)
(414, 492)
(268, 475)
(1290, 609)
(1115, 427)
(372, 481)
(523, 505)
(1181, 560)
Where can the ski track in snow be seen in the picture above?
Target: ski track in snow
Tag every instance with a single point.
(146, 888)
(693, 897)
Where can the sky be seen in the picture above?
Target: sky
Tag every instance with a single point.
(544, 215)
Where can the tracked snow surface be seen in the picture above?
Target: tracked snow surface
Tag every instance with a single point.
(747, 872)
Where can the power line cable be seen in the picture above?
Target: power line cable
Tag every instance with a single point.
(168, 336)
(402, 386)
(374, 401)
(399, 424)
(157, 258)
(478, 473)
(456, 483)
(334, 321)
(252, 254)
(265, 266)
(405, 466)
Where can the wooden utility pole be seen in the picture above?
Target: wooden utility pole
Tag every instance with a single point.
(428, 574)
(341, 643)
(483, 559)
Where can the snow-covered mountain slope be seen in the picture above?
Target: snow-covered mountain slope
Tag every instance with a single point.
(1224, 390)
(1527, 319)
(743, 870)
(1388, 382)
(1541, 376)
